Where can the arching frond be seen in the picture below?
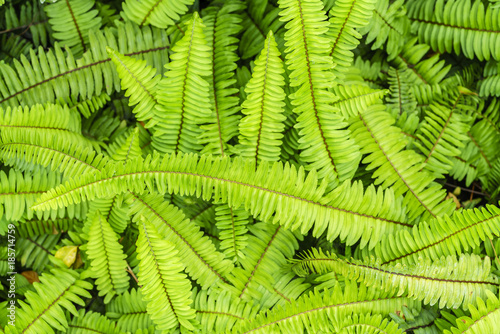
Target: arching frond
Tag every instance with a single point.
(298, 205)
(107, 259)
(166, 290)
(140, 84)
(232, 226)
(129, 310)
(71, 20)
(183, 95)
(451, 282)
(401, 99)
(159, 13)
(484, 318)
(92, 322)
(442, 236)
(369, 324)
(318, 311)
(42, 311)
(260, 129)
(354, 99)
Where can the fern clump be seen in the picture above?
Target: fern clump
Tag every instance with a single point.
(249, 166)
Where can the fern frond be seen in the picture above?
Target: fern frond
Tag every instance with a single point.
(107, 259)
(390, 24)
(484, 318)
(42, 311)
(71, 20)
(159, 13)
(183, 95)
(34, 252)
(348, 16)
(29, 228)
(456, 26)
(356, 98)
(318, 311)
(442, 236)
(56, 75)
(140, 84)
(31, 16)
(296, 201)
(451, 282)
(324, 141)
(203, 262)
(222, 26)
(401, 169)
(166, 290)
(232, 226)
(129, 149)
(90, 106)
(261, 128)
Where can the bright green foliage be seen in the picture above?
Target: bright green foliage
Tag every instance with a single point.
(43, 310)
(250, 166)
(451, 282)
(159, 13)
(71, 20)
(183, 95)
(262, 126)
(165, 288)
(107, 259)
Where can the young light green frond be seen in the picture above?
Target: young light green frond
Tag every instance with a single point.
(19, 191)
(71, 20)
(107, 259)
(296, 201)
(197, 253)
(485, 317)
(140, 83)
(441, 136)
(470, 29)
(489, 84)
(451, 282)
(354, 99)
(442, 236)
(42, 310)
(348, 16)
(159, 13)
(325, 144)
(390, 24)
(113, 209)
(129, 310)
(221, 312)
(269, 246)
(164, 287)
(365, 323)
(401, 99)
(90, 106)
(222, 26)
(261, 129)
(92, 322)
(232, 226)
(27, 150)
(373, 130)
(318, 311)
(183, 95)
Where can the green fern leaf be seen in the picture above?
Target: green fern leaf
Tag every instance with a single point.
(364, 323)
(107, 259)
(183, 96)
(166, 290)
(260, 129)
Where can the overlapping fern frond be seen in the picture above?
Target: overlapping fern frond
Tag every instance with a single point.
(159, 13)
